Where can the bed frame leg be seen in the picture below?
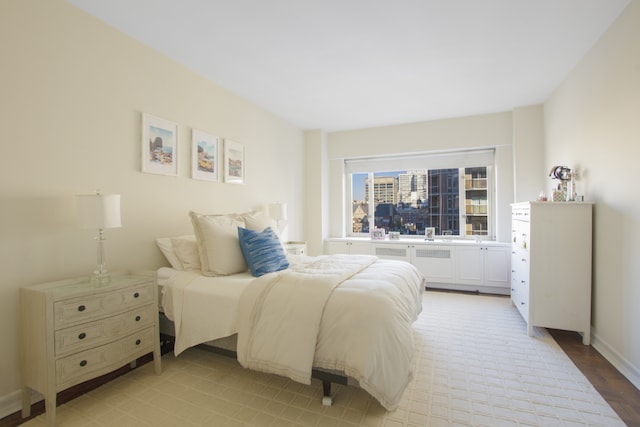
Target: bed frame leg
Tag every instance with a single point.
(327, 400)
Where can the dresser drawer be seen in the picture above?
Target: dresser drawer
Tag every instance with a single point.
(520, 265)
(88, 364)
(83, 309)
(96, 333)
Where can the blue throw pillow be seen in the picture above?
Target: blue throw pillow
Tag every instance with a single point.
(262, 251)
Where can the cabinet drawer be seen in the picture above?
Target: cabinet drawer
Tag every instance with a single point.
(520, 235)
(88, 364)
(523, 306)
(520, 265)
(96, 333)
(83, 309)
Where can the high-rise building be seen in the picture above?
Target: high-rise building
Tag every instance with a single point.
(405, 187)
(385, 189)
(412, 187)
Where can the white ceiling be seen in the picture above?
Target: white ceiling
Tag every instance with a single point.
(349, 64)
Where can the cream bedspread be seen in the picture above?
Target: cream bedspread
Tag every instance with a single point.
(202, 308)
(340, 312)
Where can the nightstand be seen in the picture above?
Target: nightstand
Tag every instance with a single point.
(74, 330)
(296, 248)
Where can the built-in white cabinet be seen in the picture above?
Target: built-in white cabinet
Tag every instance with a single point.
(435, 262)
(460, 265)
(348, 247)
(551, 265)
(483, 265)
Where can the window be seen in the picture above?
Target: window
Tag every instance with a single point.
(448, 191)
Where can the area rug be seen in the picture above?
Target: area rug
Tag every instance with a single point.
(474, 366)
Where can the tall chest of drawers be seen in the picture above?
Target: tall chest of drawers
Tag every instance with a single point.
(551, 257)
(75, 330)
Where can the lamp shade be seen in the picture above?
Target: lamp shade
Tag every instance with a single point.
(99, 211)
(278, 211)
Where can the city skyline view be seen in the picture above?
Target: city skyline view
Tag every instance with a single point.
(359, 180)
(451, 200)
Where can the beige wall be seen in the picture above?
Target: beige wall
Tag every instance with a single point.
(316, 184)
(528, 156)
(592, 124)
(72, 92)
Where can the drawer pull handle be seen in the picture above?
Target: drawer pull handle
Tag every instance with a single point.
(83, 363)
(137, 318)
(138, 342)
(522, 303)
(82, 336)
(81, 308)
(136, 295)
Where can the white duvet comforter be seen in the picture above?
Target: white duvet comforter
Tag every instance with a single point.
(347, 313)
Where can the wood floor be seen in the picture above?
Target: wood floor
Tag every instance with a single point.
(623, 397)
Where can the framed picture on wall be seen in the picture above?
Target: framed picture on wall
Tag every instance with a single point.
(234, 167)
(204, 156)
(159, 145)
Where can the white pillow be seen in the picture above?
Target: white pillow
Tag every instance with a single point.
(180, 251)
(218, 243)
(186, 250)
(258, 221)
(164, 243)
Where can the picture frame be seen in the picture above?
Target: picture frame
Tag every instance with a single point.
(204, 156)
(394, 235)
(430, 233)
(377, 234)
(234, 166)
(159, 145)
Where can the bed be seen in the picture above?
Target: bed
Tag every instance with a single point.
(332, 317)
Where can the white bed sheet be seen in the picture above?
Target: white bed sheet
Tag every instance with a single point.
(208, 311)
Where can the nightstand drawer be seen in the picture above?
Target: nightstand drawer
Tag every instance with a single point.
(88, 364)
(83, 309)
(96, 333)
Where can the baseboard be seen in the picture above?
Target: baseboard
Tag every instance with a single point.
(12, 402)
(491, 290)
(626, 368)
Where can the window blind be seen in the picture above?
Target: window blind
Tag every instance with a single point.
(445, 160)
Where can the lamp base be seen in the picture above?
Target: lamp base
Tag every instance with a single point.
(100, 278)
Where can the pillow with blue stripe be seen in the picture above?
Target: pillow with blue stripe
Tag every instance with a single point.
(262, 250)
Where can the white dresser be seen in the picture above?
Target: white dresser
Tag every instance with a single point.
(73, 330)
(551, 265)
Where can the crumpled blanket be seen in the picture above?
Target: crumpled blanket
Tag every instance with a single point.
(351, 313)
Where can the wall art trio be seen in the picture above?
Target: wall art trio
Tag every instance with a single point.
(160, 152)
